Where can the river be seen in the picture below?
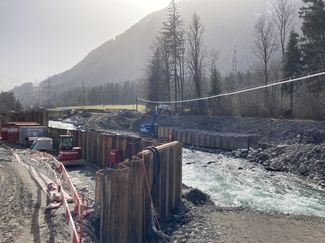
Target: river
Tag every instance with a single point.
(239, 183)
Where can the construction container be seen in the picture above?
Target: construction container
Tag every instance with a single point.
(4, 132)
(12, 136)
(31, 131)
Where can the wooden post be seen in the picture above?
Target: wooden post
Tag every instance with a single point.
(99, 149)
(104, 150)
(136, 203)
(93, 147)
(84, 144)
(148, 158)
(99, 187)
(89, 145)
(114, 206)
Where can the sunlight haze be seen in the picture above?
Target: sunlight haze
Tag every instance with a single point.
(42, 38)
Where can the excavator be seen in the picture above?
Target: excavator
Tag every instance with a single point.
(150, 128)
(68, 154)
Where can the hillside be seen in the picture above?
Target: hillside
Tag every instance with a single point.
(228, 23)
(123, 58)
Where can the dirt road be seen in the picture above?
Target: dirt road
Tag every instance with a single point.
(23, 217)
(206, 223)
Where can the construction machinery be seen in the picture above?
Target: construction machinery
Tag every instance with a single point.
(68, 154)
(150, 128)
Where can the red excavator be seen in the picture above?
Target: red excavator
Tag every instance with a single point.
(68, 154)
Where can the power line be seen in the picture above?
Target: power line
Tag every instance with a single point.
(307, 77)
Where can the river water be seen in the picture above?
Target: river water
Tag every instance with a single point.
(238, 183)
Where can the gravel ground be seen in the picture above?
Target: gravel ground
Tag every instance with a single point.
(23, 217)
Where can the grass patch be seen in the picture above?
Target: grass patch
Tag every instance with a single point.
(141, 108)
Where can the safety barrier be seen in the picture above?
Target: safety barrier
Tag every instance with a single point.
(75, 237)
(77, 200)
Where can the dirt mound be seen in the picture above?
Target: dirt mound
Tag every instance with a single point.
(197, 197)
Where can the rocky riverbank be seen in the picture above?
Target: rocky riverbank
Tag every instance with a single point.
(300, 159)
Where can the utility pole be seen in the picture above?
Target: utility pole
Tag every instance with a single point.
(49, 93)
(38, 96)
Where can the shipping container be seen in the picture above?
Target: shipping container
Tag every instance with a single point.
(12, 136)
(31, 131)
(4, 132)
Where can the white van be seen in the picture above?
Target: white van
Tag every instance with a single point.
(42, 144)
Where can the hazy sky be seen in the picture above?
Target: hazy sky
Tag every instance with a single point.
(39, 38)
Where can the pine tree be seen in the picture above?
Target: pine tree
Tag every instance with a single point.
(154, 75)
(215, 76)
(292, 66)
(313, 29)
(215, 82)
(313, 45)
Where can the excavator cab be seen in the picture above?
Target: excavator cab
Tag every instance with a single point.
(66, 142)
(69, 154)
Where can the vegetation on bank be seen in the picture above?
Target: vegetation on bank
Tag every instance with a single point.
(180, 67)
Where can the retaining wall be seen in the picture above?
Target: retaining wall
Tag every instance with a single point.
(209, 139)
(96, 146)
(124, 194)
(39, 116)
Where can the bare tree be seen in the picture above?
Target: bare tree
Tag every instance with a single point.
(265, 44)
(195, 57)
(283, 18)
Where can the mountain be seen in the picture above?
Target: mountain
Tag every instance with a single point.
(228, 24)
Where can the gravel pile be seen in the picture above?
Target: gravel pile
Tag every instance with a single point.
(301, 159)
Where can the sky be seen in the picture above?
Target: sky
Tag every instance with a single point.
(39, 38)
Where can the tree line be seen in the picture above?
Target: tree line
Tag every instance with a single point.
(110, 93)
(8, 102)
(180, 67)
